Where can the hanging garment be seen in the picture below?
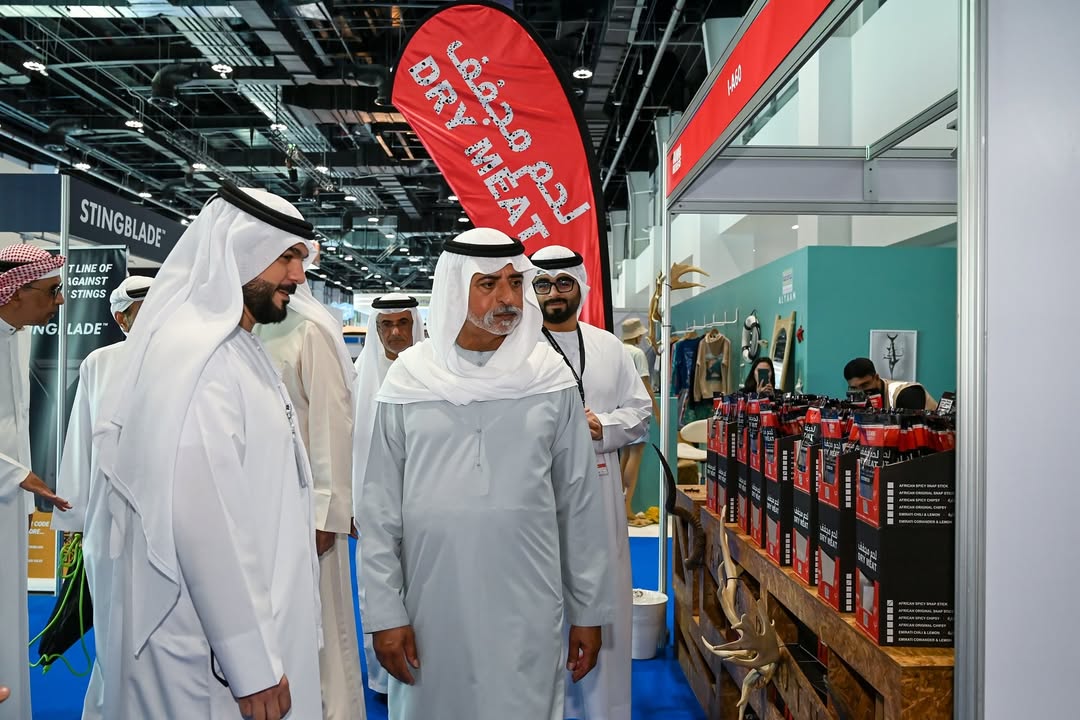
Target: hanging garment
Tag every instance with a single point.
(712, 372)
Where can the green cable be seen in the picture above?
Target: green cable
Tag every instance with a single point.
(71, 556)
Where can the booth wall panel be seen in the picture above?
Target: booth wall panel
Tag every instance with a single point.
(855, 290)
(1032, 144)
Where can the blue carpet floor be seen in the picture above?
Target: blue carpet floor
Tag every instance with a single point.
(660, 690)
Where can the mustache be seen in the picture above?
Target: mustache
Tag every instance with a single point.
(289, 288)
(506, 310)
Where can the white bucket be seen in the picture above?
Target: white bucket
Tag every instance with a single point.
(650, 610)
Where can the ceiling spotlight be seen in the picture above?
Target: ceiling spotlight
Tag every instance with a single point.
(452, 198)
(377, 276)
(363, 267)
(415, 259)
(185, 222)
(388, 283)
(350, 198)
(347, 257)
(794, 227)
(145, 195)
(199, 167)
(278, 127)
(35, 66)
(583, 73)
(321, 168)
(134, 124)
(222, 69)
(463, 219)
(397, 287)
(82, 165)
(191, 217)
(389, 235)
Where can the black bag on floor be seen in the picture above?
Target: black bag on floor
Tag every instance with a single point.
(73, 615)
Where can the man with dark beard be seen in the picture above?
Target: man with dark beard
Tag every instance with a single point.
(617, 409)
(213, 599)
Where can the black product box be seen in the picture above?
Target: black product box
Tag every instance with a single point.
(727, 477)
(805, 520)
(836, 530)
(779, 488)
(757, 507)
(743, 488)
(906, 555)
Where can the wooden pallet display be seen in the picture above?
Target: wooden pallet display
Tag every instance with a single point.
(865, 681)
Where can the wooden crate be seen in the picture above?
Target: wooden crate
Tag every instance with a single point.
(865, 681)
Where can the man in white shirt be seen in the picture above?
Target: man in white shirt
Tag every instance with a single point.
(30, 294)
(213, 607)
(617, 409)
(395, 325)
(79, 461)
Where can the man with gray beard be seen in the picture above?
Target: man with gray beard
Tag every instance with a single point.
(482, 512)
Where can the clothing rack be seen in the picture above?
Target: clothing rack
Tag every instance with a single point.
(715, 323)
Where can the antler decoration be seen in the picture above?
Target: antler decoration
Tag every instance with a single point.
(656, 314)
(758, 646)
(696, 558)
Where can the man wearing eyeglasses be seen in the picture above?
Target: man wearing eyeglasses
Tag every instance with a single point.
(617, 409)
(30, 294)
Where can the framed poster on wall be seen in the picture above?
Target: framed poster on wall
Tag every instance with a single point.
(894, 353)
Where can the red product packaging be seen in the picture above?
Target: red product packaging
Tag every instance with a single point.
(879, 445)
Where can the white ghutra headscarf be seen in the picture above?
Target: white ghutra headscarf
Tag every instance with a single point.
(435, 370)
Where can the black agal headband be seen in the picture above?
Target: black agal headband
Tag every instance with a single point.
(510, 249)
(240, 199)
(561, 263)
(406, 303)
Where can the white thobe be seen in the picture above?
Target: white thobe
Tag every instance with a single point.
(75, 483)
(484, 524)
(615, 394)
(15, 507)
(244, 537)
(312, 374)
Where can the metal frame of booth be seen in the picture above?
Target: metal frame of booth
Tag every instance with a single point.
(876, 179)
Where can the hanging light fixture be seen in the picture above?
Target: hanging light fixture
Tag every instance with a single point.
(350, 198)
(278, 127)
(582, 73)
(146, 195)
(322, 169)
(134, 123)
(36, 66)
(222, 69)
(82, 165)
(199, 166)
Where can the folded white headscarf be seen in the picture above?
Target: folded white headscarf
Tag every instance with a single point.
(435, 369)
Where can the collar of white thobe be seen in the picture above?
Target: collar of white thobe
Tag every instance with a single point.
(6, 329)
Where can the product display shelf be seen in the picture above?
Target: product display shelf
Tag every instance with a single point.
(864, 680)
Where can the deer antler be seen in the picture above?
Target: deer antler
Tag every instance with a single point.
(758, 646)
(678, 270)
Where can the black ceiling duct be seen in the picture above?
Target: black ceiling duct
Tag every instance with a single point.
(347, 221)
(166, 79)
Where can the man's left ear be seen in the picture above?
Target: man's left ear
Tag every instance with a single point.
(121, 320)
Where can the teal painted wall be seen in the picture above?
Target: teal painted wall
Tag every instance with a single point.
(759, 289)
(840, 294)
(854, 290)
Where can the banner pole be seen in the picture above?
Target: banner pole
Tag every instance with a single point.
(61, 332)
(665, 364)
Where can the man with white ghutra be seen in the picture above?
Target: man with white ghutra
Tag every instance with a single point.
(483, 519)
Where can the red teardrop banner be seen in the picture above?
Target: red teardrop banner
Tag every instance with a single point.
(479, 89)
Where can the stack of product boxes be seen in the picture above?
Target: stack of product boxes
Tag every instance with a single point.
(859, 501)
(904, 531)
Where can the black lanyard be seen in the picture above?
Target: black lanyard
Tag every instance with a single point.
(581, 354)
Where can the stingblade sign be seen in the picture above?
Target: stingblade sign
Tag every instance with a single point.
(480, 92)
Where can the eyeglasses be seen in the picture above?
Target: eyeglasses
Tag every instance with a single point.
(562, 284)
(55, 290)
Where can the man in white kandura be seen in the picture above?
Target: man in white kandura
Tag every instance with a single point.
(79, 461)
(30, 294)
(484, 521)
(309, 349)
(617, 409)
(215, 607)
(395, 325)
